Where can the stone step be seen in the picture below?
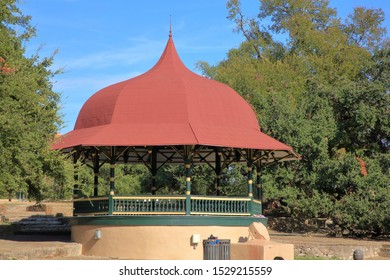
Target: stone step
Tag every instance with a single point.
(17, 216)
(384, 255)
(42, 224)
(40, 219)
(384, 251)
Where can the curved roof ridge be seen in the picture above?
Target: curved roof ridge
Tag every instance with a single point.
(169, 57)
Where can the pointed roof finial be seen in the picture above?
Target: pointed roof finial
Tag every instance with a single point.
(170, 25)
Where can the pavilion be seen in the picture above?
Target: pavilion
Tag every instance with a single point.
(168, 115)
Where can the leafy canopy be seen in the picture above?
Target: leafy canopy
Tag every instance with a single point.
(29, 112)
(324, 90)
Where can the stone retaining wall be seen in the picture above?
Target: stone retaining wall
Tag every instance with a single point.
(337, 251)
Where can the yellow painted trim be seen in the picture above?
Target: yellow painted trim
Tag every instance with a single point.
(220, 214)
(188, 192)
(91, 199)
(187, 165)
(216, 198)
(91, 214)
(188, 179)
(250, 195)
(257, 201)
(250, 182)
(148, 197)
(148, 213)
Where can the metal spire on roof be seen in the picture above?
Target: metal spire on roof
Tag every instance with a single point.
(170, 26)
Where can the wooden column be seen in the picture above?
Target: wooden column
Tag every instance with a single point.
(187, 165)
(75, 175)
(112, 170)
(218, 170)
(188, 186)
(259, 190)
(96, 168)
(154, 170)
(250, 178)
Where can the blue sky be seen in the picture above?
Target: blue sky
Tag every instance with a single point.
(102, 42)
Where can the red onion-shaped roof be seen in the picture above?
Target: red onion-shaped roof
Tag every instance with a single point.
(168, 105)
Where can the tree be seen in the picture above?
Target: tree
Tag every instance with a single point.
(29, 112)
(324, 90)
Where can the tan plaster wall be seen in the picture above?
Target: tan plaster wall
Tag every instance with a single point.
(261, 250)
(152, 242)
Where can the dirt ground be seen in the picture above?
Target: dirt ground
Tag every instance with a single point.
(320, 240)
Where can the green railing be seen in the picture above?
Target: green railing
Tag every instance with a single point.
(91, 206)
(167, 205)
(201, 205)
(256, 207)
(149, 205)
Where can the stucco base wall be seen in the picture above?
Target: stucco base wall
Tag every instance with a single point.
(152, 242)
(262, 250)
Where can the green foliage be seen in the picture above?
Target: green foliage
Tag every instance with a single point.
(365, 211)
(171, 180)
(29, 113)
(324, 90)
(364, 29)
(233, 182)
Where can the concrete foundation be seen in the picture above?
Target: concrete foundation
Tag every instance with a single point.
(175, 242)
(151, 242)
(262, 250)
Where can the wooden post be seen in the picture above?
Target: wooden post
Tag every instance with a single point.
(110, 204)
(250, 179)
(75, 175)
(112, 181)
(187, 164)
(96, 168)
(76, 190)
(154, 170)
(188, 186)
(259, 189)
(112, 171)
(218, 171)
